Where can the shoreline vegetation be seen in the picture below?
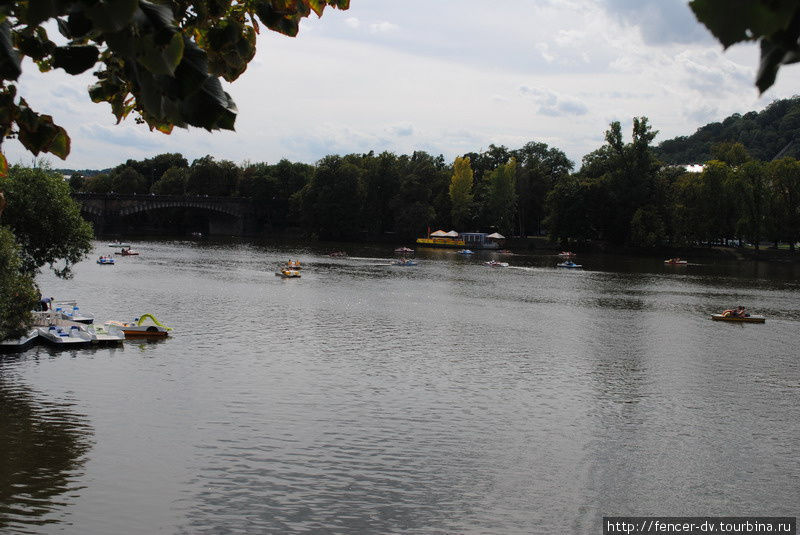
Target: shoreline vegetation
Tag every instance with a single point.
(625, 194)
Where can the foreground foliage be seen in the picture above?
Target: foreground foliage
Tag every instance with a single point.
(775, 24)
(161, 61)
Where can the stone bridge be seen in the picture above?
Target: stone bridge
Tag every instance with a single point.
(230, 216)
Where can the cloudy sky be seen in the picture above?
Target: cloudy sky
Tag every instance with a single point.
(447, 77)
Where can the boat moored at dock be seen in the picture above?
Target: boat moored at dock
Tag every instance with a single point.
(139, 329)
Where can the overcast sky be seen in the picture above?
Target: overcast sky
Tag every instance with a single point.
(447, 77)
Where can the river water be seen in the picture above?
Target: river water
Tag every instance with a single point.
(447, 397)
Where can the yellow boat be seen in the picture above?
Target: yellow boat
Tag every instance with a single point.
(287, 273)
(741, 319)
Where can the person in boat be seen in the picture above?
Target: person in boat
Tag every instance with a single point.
(738, 312)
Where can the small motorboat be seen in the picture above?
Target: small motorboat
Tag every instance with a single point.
(569, 264)
(294, 264)
(106, 260)
(747, 318)
(287, 273)
(138, 329)
(117, 245)
(401, 250)
(495, 263)
(127, 251)
(675, 262)
(404, 262)
(566, 254)
(465, 251)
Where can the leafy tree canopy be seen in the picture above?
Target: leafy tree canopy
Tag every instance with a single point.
(46, 222)
(17, 290)
(160, 61)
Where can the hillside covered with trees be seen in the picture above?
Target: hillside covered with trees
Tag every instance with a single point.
(767, 135)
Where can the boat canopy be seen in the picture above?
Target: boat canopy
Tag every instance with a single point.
(451, 234)
(438, 234)
(496, 236)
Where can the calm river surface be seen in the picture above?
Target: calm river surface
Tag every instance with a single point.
(448, 397)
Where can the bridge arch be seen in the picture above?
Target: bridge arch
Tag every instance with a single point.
(226, 215)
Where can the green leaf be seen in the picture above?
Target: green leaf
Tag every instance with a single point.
(277, 20)
(161, 59)
(34, 44)
(78, 24)
(160, 18)
(733, 21)
(112, 15)
(41, 10)
(210, 108)
(9, 59)
(38, 133)
(75, 59)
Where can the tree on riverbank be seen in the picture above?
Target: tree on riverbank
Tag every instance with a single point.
(461, 197)
(41, 225)
(17, 290)
(46, 222)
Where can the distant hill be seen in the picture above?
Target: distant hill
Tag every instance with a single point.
(767, 134)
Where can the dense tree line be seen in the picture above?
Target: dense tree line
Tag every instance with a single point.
(770, 134)
(361, 194)
(622, 193)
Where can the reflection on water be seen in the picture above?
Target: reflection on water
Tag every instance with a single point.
(43, 450)
(448, 397)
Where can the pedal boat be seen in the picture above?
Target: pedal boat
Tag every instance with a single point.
(753, 318)
(569, 264)
(138, 329)
(287, 273)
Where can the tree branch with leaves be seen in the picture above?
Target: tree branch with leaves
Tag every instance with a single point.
(160, 61)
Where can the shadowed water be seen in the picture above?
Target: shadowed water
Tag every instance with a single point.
(447, 397)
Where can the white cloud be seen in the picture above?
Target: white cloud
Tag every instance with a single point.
(383, 27)
(352, 22)
(549, 103)
(543, 49)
